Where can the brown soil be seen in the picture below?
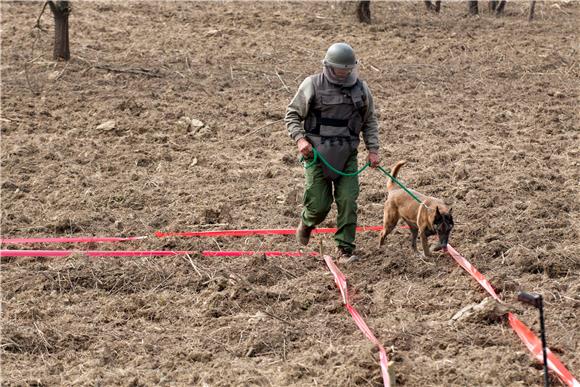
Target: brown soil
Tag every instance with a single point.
(484, 109)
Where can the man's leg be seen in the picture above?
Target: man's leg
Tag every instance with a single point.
(346, 191)
(317, 196)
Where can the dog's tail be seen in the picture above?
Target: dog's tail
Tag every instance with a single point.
(394, 173)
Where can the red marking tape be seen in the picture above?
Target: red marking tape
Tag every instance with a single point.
(266, 253)
(35, 253)
(340, 281)
(464, 263)
(139, 253)
(523, 332)
(531, 341)
(90, 253)
(535, 346)
(283, 231)
(160, 234)
(68, 240)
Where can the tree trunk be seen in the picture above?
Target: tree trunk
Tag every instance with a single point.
(61, 11)
(473, 7)
(532, 9)
(500, 7)
(364, 11)
(492, 5)
(431, 7)
(437, 6)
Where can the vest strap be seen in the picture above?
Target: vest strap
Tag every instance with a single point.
(316, 128)
(333, 122)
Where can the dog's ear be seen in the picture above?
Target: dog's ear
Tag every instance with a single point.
(438, 217)
(450, 215)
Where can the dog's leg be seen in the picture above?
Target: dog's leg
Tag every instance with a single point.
(425, 243)
(390, 220)
(414, 234)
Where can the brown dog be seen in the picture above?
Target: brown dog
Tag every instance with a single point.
(434, 217)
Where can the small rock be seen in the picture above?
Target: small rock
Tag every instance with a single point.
(213, 33)
(503, 116)
(487, 310)
(201, 133)
(107, 125)
(259, 316)
(192, 125)
(184, 122)
(195, 123)
(53, 75)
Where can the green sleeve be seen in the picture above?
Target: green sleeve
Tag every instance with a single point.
(370, 129)
(298, 109)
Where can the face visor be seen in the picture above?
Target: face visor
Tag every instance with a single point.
(341, 73)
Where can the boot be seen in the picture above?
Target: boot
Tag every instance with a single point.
(303, 233)
(345, 257)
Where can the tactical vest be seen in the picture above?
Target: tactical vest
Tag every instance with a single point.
(334, 121)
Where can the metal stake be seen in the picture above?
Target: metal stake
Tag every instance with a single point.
(537, 301)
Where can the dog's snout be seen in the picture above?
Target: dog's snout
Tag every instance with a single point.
(443, 241)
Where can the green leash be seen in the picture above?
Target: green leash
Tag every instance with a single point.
(317, 156)
(400, 185)
(310, 164)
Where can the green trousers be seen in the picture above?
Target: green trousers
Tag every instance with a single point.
(319, 193)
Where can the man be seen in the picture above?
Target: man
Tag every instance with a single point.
(336, 106)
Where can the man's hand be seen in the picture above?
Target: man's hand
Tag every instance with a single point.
(304, 147)
(374, 159)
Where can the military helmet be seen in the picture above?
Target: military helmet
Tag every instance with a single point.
(340, 55)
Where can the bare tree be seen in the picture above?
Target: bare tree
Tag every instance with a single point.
(431, 7)
(364, 11)
(532, 10)
(61, 11)
(500, 7)
(473, 10)
(497, 7)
